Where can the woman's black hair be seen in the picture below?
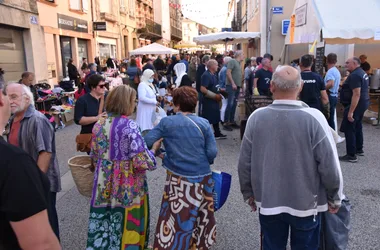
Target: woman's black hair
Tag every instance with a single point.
(94, 80)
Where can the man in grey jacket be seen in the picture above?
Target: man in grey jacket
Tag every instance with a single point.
(289, 166)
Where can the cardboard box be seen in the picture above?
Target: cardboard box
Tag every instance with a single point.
(68, 117)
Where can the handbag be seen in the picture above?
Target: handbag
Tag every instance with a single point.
(222, 182)
(84, 142)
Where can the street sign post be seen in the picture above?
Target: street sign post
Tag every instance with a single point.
(278, 10)
(285, 26)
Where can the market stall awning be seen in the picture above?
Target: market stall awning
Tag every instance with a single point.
(185, 45)
(335, 22)
(226, 37)
(153, 49)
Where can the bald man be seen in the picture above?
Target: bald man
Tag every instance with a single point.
(210, 109)
(288, 166)
(263, 76)
(355, 99)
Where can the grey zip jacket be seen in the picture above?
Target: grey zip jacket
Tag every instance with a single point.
(288, 160)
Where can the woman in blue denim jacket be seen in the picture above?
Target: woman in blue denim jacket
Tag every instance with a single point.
(186, 219)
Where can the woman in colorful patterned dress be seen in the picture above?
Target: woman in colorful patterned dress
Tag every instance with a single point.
(119, 214)
(186, 219)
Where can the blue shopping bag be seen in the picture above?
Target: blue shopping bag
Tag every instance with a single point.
(222, 185)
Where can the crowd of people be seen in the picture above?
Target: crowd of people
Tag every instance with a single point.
(298, 126)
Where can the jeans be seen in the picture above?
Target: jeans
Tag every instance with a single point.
(52, 213)
(231, 104)
(333, 101)
(304, 231)
(353, 131)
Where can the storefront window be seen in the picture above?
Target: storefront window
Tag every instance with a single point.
(12, 56)
(82, 51)
(104, 53)
(66, 53)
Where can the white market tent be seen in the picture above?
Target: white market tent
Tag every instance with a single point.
(153, 49)
(225, 37)
(335, 22)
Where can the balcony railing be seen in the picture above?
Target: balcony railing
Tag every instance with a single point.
(176, 33)
(153, 27)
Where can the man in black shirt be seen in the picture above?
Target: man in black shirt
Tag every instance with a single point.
(314, 90)
(263, 77)
(149, 65)
(364, 64)
(24, 189)
(355, 98)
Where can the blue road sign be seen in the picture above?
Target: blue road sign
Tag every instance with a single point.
(278, 10)
(285, 26)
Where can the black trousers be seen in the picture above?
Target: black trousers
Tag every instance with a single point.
(52, 213)
(216, 128)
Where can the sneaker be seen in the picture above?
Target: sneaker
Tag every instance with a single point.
(234, 125)
(360, 152)
(227, 127)
(220, 136)
(340, 139)
(349, 158)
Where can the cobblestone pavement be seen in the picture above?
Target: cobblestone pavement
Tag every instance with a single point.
(238, 228)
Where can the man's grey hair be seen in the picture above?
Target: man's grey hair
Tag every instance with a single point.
(357, 60)
(205, 59)
(238, 53)
(2, 84)
(25, 91)
(227, 59)
(211, 62)
(285, 84)
(253, 58)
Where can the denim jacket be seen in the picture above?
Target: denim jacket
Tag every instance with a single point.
(223, 77)
(188, 152)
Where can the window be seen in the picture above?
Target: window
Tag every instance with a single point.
(75, 4)
(105, 6)
(132, 8)
(81, 5)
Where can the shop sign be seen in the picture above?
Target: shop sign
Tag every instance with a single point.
(278, 10)
(301, 14)
(72, 23)
(377, 34)
(100, 26)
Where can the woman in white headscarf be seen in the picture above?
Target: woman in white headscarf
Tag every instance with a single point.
(147, 101)
(182, 78)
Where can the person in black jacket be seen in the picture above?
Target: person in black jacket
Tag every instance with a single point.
(73, 72)
(159, 64)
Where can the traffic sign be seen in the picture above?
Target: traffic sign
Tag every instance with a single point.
(278, 10)
(285, 26)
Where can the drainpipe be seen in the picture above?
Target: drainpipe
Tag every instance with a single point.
(269, 25)
(263, 26)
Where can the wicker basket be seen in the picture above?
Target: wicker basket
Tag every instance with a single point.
(82, 175)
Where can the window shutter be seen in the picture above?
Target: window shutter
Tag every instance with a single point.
(85, 5)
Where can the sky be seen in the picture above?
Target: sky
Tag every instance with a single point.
(212, 13)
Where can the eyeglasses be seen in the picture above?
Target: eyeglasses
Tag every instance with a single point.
(102, 86)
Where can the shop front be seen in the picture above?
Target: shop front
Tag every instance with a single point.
(107, 49)
(21, 42)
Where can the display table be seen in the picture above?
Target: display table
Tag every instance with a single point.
(376, 96)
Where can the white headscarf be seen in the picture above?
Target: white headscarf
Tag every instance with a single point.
(180, 70)
(147, 74)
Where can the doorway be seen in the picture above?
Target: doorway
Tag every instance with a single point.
(66, 53)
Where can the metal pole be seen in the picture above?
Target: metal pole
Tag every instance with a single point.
(269, 27)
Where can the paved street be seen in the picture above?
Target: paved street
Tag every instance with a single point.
(238, 228)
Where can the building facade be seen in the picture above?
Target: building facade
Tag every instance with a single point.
(22, 43)
(67, 27)
(161, 8)
(258, 16)
(175, 22)
(189, 31)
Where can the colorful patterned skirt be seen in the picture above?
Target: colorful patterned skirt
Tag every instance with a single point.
(119, 228)
(186, 219)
